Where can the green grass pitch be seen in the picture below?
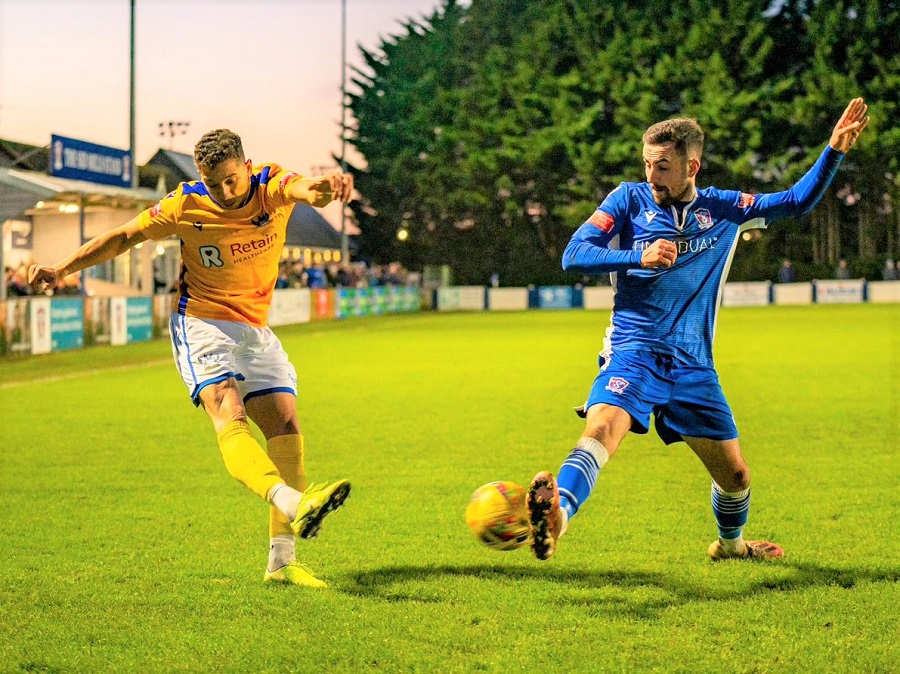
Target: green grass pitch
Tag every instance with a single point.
(125, 546)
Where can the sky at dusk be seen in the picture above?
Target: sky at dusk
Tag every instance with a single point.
(269, 70)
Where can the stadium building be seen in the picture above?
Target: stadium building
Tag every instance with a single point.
(44, 216)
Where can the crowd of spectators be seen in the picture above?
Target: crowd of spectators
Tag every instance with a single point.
(354, 275)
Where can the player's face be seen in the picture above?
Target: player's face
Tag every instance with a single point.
(228, 182)
(670, 175)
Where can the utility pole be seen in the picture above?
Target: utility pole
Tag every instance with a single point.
(131, 116)
(345, 247)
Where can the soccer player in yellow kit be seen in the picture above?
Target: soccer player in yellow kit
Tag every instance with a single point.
(232, 226)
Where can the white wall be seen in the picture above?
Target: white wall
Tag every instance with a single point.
(884, 291)
(507, 299)
(599, 297)
(793, 293)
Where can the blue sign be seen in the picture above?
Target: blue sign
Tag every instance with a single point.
(80, 160)
(555, 297)
(139, 319)
(66, 324)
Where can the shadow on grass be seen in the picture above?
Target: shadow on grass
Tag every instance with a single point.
(639, 593)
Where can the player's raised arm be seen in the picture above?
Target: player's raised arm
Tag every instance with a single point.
(321, 190)
(849, 127)
(101, 248)
(803, 196)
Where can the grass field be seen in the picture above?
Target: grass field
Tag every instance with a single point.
(125, 546)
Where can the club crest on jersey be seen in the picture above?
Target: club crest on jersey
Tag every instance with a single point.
(285, 178)
(601, 220)
(704, 217)
(746, 200)
(260, 220)
(616, 385)
(650, 215)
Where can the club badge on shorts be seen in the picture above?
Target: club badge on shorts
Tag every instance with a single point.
(616, 385)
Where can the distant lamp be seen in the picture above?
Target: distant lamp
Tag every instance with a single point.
(402, 234)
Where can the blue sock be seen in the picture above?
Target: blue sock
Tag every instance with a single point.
(576, 479)
(731, 511)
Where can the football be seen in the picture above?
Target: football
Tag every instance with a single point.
(497, 515)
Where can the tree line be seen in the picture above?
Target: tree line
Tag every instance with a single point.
(491, 131)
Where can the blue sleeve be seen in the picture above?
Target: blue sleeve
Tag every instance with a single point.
(589, 252)
(803, 196)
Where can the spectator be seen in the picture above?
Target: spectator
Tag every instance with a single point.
(298, 276)
(70, 285)
(345, 278)
(390, 274)
(331, 273)
(889, 273)
(315, 277)
(841, 272)
(786, 273)
(16, 284)
(373, 276)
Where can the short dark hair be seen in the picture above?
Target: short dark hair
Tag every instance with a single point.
(217, 146)
(685, 132)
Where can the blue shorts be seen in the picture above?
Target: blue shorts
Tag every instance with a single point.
(685, 399)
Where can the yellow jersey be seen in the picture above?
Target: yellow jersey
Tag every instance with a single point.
(229, 258)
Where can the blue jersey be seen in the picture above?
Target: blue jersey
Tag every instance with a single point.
(673, 311)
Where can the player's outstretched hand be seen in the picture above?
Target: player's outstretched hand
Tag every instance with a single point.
(43, 278)
(341, 186)
(850, 125)
(660, 253)
(330, 187)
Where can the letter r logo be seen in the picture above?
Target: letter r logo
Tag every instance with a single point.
(210, 256)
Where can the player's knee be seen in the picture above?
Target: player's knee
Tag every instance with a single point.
(223, 403)
(288, 427)
(738, 479)
(601, 430)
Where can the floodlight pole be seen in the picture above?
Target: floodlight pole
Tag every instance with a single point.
(345, 247)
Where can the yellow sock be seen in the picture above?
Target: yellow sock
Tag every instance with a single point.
(246, 460)
(286, 452)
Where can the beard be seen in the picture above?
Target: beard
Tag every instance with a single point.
(664, 197)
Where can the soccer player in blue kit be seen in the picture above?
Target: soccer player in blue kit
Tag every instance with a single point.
(669, 246)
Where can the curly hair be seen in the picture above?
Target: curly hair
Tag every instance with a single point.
(217, 146)
(685, 132)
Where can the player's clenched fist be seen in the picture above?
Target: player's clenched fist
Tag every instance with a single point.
(660, 253)
(43, 278)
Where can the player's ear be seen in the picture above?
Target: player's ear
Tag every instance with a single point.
(249, 165)
(693, 167)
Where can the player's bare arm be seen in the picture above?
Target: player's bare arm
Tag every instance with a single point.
(101, 248)
(660, 253)
(849, 127)
(321, 190)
